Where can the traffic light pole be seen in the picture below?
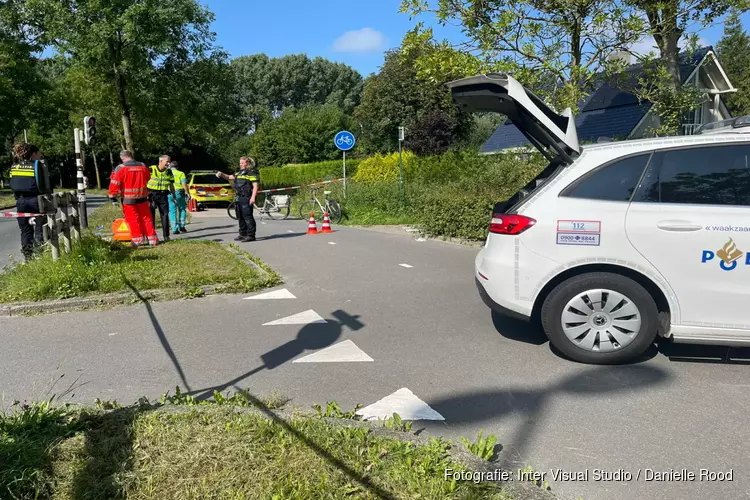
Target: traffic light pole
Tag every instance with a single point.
(83, 214)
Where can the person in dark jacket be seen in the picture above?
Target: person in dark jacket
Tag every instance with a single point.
(246, 188)
(23, 182)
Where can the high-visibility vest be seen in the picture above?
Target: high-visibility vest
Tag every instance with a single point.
(179, 178)
(160, 181)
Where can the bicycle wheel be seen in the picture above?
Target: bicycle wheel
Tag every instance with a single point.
(311, 206)
(276, 212)
(232, 210)
(334, 211)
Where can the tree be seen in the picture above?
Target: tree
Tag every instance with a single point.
(125, 43)
(555, 47)
(266, 85)
(734, 52)
(21, 88)
(396, 97)
(299, 135)
(671, 22)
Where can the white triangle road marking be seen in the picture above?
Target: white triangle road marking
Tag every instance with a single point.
(303, 318)
(405, 265)
(275, 294)
(405, 403)
(342, 352)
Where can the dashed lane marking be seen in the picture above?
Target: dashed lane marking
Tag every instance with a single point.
(343, 352)
(303, 318)
(275, 294)
(405, 403)
(405, 265)
(331, 243)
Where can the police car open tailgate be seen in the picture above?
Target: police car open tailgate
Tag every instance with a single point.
(553, 134)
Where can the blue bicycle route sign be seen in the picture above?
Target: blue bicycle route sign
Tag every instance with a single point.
(344, 140)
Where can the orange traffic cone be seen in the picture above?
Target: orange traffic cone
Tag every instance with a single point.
(326, 224)
(312, 227)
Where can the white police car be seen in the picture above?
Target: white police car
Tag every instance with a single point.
(614, 244)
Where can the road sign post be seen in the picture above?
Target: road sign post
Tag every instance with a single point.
(400, 161)
(83, 215)
(345, 141)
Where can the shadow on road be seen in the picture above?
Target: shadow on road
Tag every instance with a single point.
(159, 332)
(279, 236)
(311, 337)
(202, 236)
(480, 406)
(211, 228)
(515, 329)
(530, 332)
(695, 353)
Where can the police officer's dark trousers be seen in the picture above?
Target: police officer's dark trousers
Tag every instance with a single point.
(160, 200)
(245, 216)
(29, 233)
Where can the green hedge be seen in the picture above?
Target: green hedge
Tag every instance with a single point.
(293, 175)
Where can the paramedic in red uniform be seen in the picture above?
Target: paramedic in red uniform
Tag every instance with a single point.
(129, 182)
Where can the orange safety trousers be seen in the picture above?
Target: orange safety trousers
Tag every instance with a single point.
(138, 217)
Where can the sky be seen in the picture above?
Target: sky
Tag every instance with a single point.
(355, 32)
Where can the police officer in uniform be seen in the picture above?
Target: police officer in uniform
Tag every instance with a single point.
(160, 187)
(24, 183)
(246, 188)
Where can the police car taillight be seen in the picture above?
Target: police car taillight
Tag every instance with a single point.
(510, 224)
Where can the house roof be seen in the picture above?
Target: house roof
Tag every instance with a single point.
(609, 111)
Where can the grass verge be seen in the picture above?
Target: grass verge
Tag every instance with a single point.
(214, 451)
(96, 266)
(7, 199)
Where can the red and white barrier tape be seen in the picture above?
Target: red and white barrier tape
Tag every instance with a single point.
(300, 187)
(20, 214)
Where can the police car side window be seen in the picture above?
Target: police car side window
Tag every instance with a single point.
(715, 175)
(613, 182)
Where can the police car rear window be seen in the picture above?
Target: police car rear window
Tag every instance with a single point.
(208, 179)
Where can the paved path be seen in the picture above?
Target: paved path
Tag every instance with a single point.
(426, 330)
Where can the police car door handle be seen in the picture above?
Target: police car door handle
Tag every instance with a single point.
(678, 225)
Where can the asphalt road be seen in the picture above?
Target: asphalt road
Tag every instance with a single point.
(10, 235)
(425, 329)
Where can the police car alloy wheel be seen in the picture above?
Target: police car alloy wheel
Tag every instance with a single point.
(600, 318)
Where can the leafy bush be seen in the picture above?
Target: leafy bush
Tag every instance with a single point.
(455, 214)
(381, 168)
(294, 175)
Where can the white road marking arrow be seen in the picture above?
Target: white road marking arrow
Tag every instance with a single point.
(343, 352)
(405, 403)
(303, 318)
(275, 294)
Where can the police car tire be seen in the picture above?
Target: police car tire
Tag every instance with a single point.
(559, 297)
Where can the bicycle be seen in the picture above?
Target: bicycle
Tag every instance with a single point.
(316, 207)
(273, 206)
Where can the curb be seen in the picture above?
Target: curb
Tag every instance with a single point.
(78, 303)
(456, 451)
